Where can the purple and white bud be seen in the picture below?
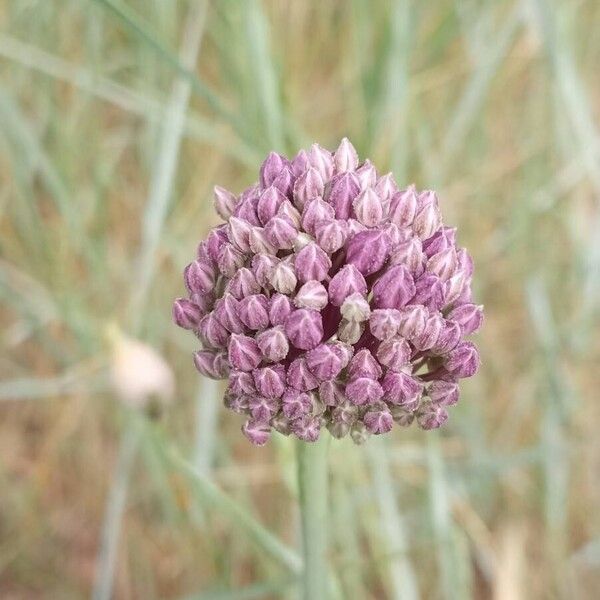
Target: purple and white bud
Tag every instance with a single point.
(386, 187)
(205, 302)
(457, 290)
(307, 428)
(448, 338)
(230, 260)
(211, 332)
(356, 308)
(259, 243)
(283, 278)
(340, 192)
(443, 264)
(429, 291)
(199, 277)
(273, 344)
(403, 207)
(441, 240)
(315, 211)
(463, 361)
(236, 403)
(280, 307)
(324, 362)
(300, 163)
(262, 267)
(350, 332)
(281, 233)
(308, 186)
(465, 262)
(269, 203)
(258, 433)
(321, 160)
(354, 227)
(434, 327)
(367, 175)
(344, 351)
(363, 364)
(227, 313)
(409, 254)
(300, 377)
(238, 231)
(311, 295)
(413, 319)
(244, 353)
(331, 234)
(270, 381)
(428, 218)
(262, 409)
(216, 238)
(254, 311)
(312, 262)
(394, 288)
(242, 284)
(304, 328)
(211, 364)
(241, 383)
(402, 416)
(288, 211)
(431, 416)
(284, 182)
(443, 393)
(332, 393)
(378, 420)
(296, 404)
(186, 314)
(384, 323)
(394, 354)
(246, 210)
(345, 157)
(271, 168)
(401, 389)
(468, 316)
(224, 202)
(368, 208)
(363, 391)
(368, 250)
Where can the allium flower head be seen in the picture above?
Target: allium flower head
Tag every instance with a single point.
(331, 298)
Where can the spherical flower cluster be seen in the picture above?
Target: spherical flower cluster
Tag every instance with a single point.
(331, 298)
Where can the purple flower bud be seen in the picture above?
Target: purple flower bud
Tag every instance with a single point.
(378, 420)
(199, 277)
(367, 175)
(311, 295)
(443, 393)
(236, 403)
(345, 157)
(238, 231)
(289, 212)
(205, 302)
(312, 263)
(227, 313)
(304, 328)
(244, 353)
(281, 233)
(211, 364)
(402, 416)
(262, 268)
(409, 254)
(363, 391)
(224, 202)
(186, 314)
(384, 323)
(368, 208)
(434, 327)
(279, 308)
(340, 192)
(354, 227)
(299, 376)
(321, 160)
(230, 260)
(457, 290)
(216, 238)
(258, 433)
(307, 428)
(465, 262)
(443, 264)
(394, 353)
(243, 283)
(468, 316)
(368, 250)
(401, 389)
(413, 319)
(386, 187)
(246, 210)
(300, 163)
(331, 235)
(344, 351)
(345, 282)
(254, 311)
(316, 210)
(429, 291)
(448, 338)
(356, 308)
(350, 331)
(271, 168)
(270, 381)
(212, 333)
(324, 362)
(395, 234)
(403, 207)
(283, 278)
(428, 218)
(241, 383)
(441, 240)
(394, 288)
(308, 186)
(269, 203)
(259, 243)
(284, 182)
(296, 404)
(363, 364)
(463, 361)
(430, 416)
(273, 344)
(332, 393)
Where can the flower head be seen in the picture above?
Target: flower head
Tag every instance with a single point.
(331, 298)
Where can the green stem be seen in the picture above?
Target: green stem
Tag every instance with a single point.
(313, 488)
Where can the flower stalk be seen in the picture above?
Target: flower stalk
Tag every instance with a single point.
(313, 492)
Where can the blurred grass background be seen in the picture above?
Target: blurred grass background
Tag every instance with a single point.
(117, 118)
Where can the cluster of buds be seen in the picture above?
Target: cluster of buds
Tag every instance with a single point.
(331, 298)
